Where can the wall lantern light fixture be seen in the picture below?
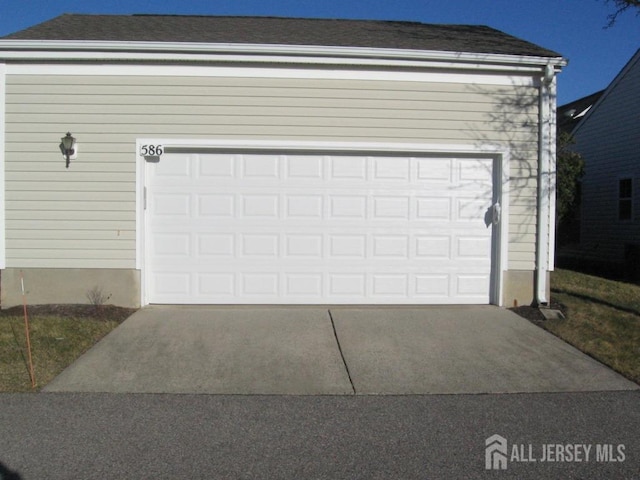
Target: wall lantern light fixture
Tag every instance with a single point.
(69, 147)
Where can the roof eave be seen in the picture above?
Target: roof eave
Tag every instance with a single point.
(70, 50)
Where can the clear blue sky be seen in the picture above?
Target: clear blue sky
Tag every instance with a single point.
(573, 28)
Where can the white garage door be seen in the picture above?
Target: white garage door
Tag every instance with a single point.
(317, 229)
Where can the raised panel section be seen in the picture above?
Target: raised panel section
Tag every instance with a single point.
(472, 285)
(171, 244)
(342, 284)
(434, 208)
(348, 168)
(216, 284)
(437, 170)
(216, 205)
(474, 247)
(260, 284)
(172, 283)
(304, 246)
(435, 286)
(390, 285)
(216, 245)
(433, 247)
(222, 166)
(353, 246)
(260, 245)
(351, 206)
(260, 205)
(391, 168)
(304, 167)
(172, 205)
(472, 210)
(301, 284)
(391, 207)
(174, 166)
(388, 246)
(304, 206)
(260, 166)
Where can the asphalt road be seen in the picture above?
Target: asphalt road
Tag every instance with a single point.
(122, 436)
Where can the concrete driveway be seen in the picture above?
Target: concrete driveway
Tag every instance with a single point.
(333, 351)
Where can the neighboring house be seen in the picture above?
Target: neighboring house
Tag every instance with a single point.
(608, 138)
(568, 227)
(273, 160)
(570, 114)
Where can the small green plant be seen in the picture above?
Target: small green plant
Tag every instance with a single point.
(97, 297)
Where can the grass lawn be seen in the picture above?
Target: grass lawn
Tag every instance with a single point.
(602, 319)
(59, 335)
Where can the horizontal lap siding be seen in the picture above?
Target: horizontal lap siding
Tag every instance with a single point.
(85, 216)
(609, 140)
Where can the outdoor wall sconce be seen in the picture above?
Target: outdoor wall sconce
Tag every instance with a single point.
(68, 147)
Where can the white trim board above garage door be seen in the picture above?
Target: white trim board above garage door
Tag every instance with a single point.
(283, 226)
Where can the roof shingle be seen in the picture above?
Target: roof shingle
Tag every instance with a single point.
(281, 31)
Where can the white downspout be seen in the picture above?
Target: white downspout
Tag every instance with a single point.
(545, 186)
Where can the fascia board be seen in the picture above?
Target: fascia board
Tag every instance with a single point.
(90, 50)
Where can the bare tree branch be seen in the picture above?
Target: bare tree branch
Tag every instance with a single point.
(621, 7)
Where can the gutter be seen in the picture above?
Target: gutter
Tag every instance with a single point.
(182, 51)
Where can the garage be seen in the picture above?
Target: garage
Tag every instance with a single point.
(303, 161)
(287, 227)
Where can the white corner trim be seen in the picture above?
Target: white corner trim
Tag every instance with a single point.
(545, 186)
(3, 251)
(553, 179)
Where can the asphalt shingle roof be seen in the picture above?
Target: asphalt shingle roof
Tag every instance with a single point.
(281, 31)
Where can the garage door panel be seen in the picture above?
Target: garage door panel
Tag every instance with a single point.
(391, 168)
(304, 285)
(347, 168)
(234, 228)
(216, 206)
(304, 206)
(304, 246)
(216, 285)
(262, 284)
(470, 285)
(435, 170)
(299, 167)
(433, 209)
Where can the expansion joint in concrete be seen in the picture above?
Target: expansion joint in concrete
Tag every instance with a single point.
(344, 361)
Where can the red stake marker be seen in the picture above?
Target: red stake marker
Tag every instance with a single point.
(32, 374)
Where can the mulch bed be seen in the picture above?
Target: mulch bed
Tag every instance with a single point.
(97, 312)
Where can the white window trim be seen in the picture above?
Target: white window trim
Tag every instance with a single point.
(500, 154)
(620, 178)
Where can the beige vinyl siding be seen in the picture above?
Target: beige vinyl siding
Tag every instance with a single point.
(85, 216)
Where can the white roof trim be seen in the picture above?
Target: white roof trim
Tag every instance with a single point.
(93, 50)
